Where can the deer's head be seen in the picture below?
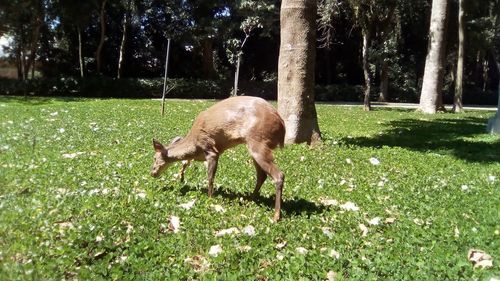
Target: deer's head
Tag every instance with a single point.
(161, 159)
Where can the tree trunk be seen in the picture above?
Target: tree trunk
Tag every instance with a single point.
(80, 56)
(33, 46)
(296, 71)
(366, 69)
(102, 19)
(208, 58)
(457, 101)
(431, 95)
(124, 39)
(384, 81)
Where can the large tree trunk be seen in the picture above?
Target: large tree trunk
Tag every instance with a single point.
(366, 69)
(384, 81)
(124, 39)
(431, 96)
(457, 101)
(33, 46)
(80, 55)
(102, 20)
(208, 58)
(296, 71)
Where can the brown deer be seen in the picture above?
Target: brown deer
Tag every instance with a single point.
(228, 123)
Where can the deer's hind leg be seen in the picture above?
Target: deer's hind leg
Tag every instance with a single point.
(263, 156)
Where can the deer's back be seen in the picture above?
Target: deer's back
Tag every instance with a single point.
(239, 120)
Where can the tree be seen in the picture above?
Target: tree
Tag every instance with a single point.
(126, 19)
(296, 71)
(102, 20)
(431, 97)
(494, 122)
(457, 101)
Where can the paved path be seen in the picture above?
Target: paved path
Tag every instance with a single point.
(409, 105)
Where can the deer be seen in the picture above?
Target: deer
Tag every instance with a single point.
(226, 124)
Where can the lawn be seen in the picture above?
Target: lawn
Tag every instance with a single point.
(390, 194)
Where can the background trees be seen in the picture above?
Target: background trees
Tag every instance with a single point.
(61, 38)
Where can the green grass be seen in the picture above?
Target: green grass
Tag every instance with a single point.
(101, 216)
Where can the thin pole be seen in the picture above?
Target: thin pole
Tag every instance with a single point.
(165, 80)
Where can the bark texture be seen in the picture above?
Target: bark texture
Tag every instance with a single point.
(296, 71)
(102, 19)
(124, 40)
(384, 81)
(457, 101)
(366, 69)
(431, 96)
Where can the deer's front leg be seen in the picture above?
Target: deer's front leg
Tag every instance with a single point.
(185, 164)
(212, 159)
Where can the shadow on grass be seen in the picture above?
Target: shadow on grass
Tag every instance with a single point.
(442, 136)
(30, 100)
(291, 207)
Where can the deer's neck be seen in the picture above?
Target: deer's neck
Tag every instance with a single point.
(185, 149)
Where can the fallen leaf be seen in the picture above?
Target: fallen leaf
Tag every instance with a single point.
(328, 202)
(188, 205)
(199, 263)
(215, 250)
(245, 248)
(480, 259)
(374, 221)
(281, 245)
(364, 229)
(249, 230)
(374, 161)
(349, 206)
(218, 208)
(301, 250)
(228, 231)
(390, 220)
(327, 231)
(331, 275)
(174, 224)
(334, 254)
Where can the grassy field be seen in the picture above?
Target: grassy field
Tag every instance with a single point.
(391, 194)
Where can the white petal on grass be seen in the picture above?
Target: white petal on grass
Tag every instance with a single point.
(244, 248)
(61, 130)
(418, 221)
(374, 161)
(54, 113)
(480, 259)
(374, 221)
(301, 250)
(228, 231)
(215, 250)
(464, 187)
(457, 232)
(249, 230)
(188, 205)
(492, 179)
(280, 257)
(348, 160)
(174, 224)
(364, 229)
(328, 202)
(349, 206)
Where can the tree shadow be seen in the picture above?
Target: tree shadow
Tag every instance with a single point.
(442, 136)
(32, 100)
(291, 207)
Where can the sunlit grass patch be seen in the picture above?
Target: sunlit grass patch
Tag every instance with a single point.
(390, 194)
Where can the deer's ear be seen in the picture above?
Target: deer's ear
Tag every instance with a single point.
(176, 139)
(158, 146)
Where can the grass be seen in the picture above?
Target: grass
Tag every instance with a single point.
(99, 215)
